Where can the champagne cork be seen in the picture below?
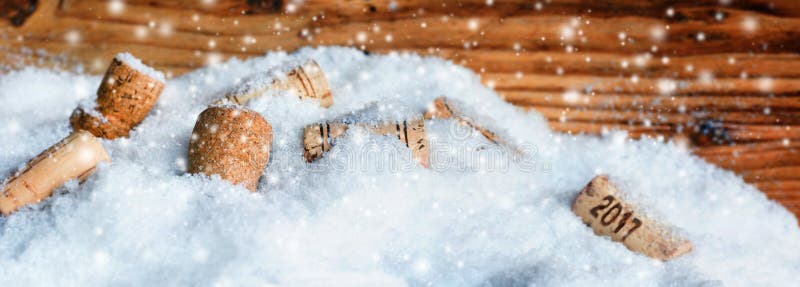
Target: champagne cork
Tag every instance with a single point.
(124, 99)
(73, 157)
(442, 108)
(232, 142)
(599, 207)
(307, 81)
(319, 138)
(412, 134)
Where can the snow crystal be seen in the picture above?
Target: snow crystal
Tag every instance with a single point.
(140, 67)
(365, 214)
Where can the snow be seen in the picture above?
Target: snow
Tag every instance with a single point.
(140, 67)
(89, 106)
(365, 214)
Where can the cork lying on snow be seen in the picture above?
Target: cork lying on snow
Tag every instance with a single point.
(124, 99)
(319, 138)
(232, 142)
(125, 96)
(446, 108)
(307, 81)
(443, 108)
(599, 207)
(73, 157)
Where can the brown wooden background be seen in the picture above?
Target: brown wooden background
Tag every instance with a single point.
(720, 75)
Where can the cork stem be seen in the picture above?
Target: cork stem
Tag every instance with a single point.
(74, 157)
(319, 138)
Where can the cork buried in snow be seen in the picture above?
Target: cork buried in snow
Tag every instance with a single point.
(599, 207)
(319, 138)
(73, 157)
(232, 142)
(307, 81)
(444, 108)
(124, 99)
(128, 92)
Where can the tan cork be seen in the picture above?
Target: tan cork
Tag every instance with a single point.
(599, 207)
(307, 81)
(124, 99)
(441, 108)
(319, 138)
(232, 142)
(73, 157)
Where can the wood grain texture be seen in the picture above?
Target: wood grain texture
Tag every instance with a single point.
(725, 78)
(17, 11)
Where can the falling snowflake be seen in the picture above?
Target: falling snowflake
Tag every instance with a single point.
(765, 84)
(116, 7)
(750, 24)
(571, 96)
(666, 86)
(701, 37)
(73, 37)
(473, 24)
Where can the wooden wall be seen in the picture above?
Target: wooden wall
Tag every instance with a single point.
(722, 75)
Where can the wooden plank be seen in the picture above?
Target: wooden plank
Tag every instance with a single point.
(652, 103)
(382, 9)
(16, 11)
(669, 118)
(761, 132)
(219, 18)
(566, 33)
(664, 86)
(594, 128)
(613, 64)
(773, 174)
(783, 189)
(219, 7)
(94, 58)
(746, 148)
(766, 159)
(550, 32)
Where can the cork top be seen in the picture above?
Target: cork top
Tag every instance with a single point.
(439, 109)
(136, 64)
(125, 96)
(232, 142)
